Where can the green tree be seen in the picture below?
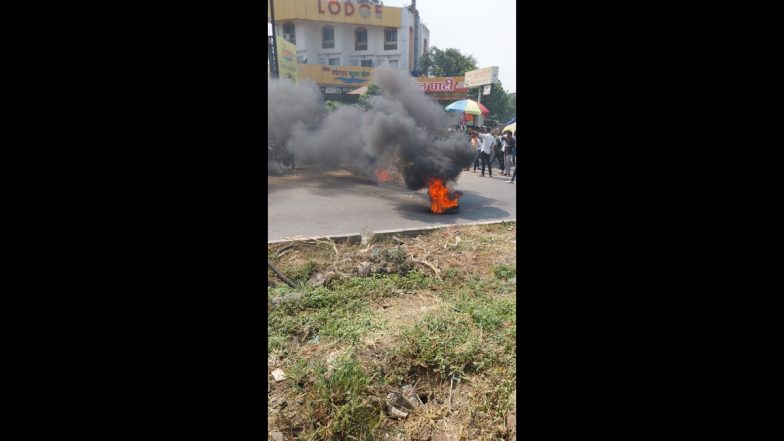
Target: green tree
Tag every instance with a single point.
(497, 102)
(512, 100)
(452, 63)
(446, 63)
(372, 90)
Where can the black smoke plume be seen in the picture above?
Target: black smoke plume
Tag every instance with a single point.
(402, 127)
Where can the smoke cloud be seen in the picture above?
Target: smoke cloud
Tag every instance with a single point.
(402, 128)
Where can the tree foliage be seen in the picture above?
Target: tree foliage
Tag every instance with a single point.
(512, 100)
(446, 63)
(497, 102)
(372, 90)
(452, 63)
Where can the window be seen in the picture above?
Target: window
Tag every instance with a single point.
(327, 37)
(393, 64)
(355, 62)
(288, 32)
(367, 63)
(360, 39)
(390, 39)
(302, 59)
(334, 61)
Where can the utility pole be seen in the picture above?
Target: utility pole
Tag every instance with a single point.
(480, 118)
(273, 47)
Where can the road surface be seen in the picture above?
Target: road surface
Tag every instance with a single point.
(313, 203)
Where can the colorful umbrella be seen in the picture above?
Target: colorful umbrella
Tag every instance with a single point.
(468, 106)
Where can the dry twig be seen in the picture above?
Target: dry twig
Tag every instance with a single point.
(451, 383)
(287, 247)
(429, 265)
(280, 274)
(330, 242)
(335, 247)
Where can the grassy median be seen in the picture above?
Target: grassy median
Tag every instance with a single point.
(430, 318)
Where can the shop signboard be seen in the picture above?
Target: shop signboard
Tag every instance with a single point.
(335, 11)
(287, 59)
(481, 77)
(327, 75)
(443, 88)
(432, 85)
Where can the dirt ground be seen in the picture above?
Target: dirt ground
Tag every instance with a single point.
(430, 319)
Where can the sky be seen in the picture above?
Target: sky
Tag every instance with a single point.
(485, 29)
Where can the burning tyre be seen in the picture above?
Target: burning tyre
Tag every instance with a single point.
(442, 200)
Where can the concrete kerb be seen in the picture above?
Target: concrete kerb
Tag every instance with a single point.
(409, 232)
(343, 238)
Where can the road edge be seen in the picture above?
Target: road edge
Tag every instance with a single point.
(358, 238)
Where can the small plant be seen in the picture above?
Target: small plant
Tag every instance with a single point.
(487, 312)
(504, 271)
(397, 255)
(444, 342)
(303, 272)
(451, 273)
(338, 406)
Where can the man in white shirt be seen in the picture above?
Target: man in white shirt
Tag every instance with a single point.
(485, 149)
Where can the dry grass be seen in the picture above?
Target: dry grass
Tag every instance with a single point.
(436, 312)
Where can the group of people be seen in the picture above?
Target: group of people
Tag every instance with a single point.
(494, 147)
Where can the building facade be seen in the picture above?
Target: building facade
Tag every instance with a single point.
(339, 41)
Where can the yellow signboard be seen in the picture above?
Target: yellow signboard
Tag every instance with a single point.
(325, 75)
(287, 59)
(335, 11)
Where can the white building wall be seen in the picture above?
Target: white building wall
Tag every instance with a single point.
(308, 39)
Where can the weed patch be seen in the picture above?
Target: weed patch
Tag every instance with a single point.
(338, 405)
(504, 271)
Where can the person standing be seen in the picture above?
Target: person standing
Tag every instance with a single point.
(486, 148)
(509, 151)
(498, 153)
(475, 143)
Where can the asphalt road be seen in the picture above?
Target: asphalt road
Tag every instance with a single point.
(313, 203)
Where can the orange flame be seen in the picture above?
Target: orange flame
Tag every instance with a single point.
(440, 198)
(382, 175)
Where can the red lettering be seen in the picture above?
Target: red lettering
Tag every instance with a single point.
(349, 11)
(321, 11)
(378, 11)
(364, 10)
(337, 6)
